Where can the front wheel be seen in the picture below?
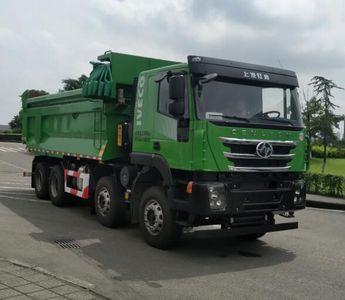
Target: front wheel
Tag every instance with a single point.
(109, 202)
(156, 220)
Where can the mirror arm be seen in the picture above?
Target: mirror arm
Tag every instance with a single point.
(169, 74)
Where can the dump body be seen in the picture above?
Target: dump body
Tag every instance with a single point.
(83, 122)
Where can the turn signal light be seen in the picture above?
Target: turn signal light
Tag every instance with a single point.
(189, 189)
(119, 135)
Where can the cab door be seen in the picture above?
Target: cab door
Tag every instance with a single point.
(172, 136)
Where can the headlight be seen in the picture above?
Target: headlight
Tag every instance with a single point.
(216, 195)
(299, 197)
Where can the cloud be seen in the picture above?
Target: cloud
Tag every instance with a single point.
(43, 42)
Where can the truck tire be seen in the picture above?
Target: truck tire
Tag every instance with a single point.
(41, 180)
(252, 236)
(156, 220)
(56, 186)
(109, 202)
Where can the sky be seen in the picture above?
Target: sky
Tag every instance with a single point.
(43, 42)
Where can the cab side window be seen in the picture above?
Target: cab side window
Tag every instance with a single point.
(163, 97)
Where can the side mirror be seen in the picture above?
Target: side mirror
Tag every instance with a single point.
(177, 108)
(177, 87)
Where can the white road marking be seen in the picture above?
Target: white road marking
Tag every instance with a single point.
(12, 165)
(16, 183)
(16, 177)
(14, 187)
(6, 149)
(19, 183)
(16, 149)
(10, 149)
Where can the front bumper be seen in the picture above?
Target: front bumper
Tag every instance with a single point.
(242, 200)
(241, 231)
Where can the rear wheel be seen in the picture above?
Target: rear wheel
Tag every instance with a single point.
(109, 202)
(56, 186)
(156, 220)
(41, 180)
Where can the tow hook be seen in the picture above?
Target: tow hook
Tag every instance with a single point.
(288, 214)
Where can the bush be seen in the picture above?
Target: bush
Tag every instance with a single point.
(16, 130)
(10, 137)
(325, 184)
(332, 152)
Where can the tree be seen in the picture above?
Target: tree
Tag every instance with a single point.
(327, 119)
(16, 122)
(311, 117)
(33, 93)
(72, 84)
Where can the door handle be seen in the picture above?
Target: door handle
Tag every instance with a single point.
(156, 145)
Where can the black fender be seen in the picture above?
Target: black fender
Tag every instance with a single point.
(100, 170)
(155, 170)
(154, 161)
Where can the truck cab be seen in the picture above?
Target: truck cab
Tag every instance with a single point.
(227, 141)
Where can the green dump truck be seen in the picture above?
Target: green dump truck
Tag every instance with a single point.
(173, 146)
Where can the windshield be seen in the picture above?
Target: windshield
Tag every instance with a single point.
(238, 103)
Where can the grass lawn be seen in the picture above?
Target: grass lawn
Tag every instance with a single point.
(334, 166)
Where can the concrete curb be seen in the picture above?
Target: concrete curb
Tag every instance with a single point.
(68, 280)
(325, 205)
(83, 284)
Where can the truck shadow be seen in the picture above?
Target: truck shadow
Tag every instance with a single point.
(197, 256)
(125, 251)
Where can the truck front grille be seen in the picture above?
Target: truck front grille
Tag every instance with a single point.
(246, 157)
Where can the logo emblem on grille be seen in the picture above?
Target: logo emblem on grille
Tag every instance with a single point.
(264, 150)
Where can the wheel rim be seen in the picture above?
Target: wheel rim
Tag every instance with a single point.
(153, 217)
(53, 186)
(38, 180)
(103, 202)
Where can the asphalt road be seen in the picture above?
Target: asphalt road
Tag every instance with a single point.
(298, 264)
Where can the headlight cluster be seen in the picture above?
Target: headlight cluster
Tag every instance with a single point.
(299, 192)
(217, 198)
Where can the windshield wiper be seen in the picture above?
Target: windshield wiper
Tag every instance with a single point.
(236, 118)
(216, 116)
(274, 119)
(220, 117)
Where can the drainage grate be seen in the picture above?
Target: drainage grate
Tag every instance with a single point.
(67, 244)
